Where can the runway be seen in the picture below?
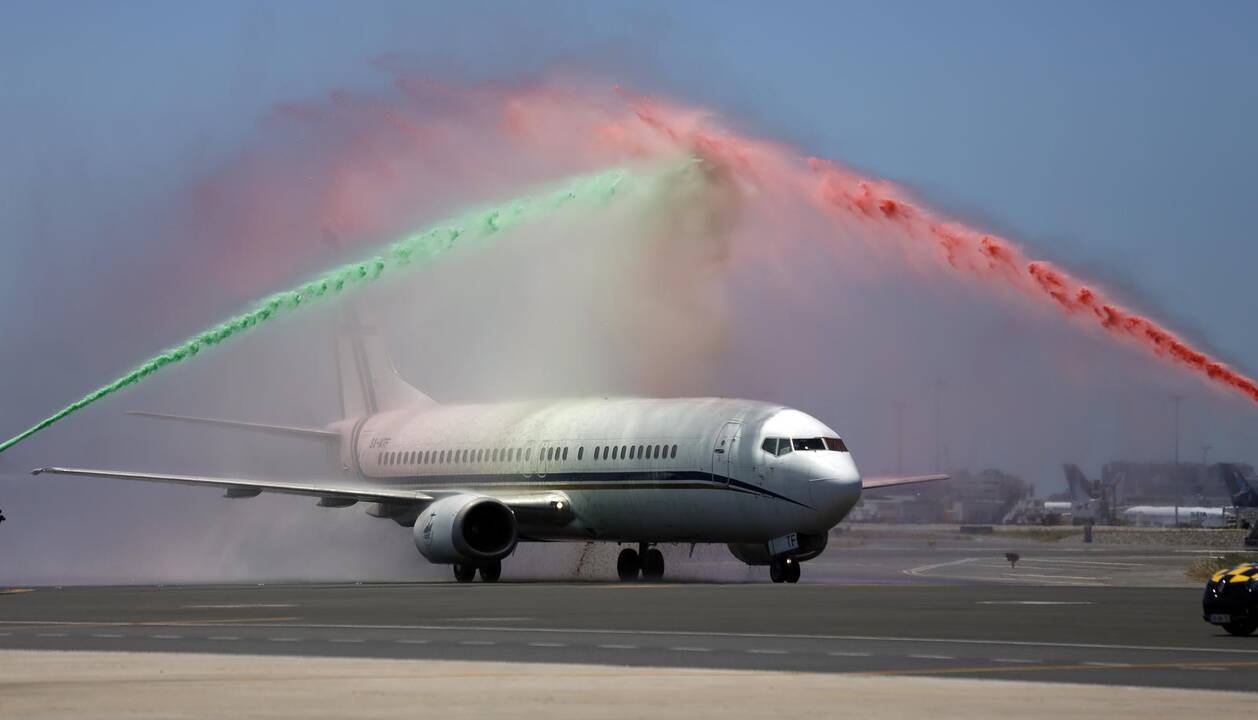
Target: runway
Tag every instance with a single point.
(1145, 636)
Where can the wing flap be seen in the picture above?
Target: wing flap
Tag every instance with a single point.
(338, 491)
(874, 483)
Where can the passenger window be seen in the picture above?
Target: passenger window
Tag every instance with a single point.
(633, 452)
(565, 453)
(604, 452)
(657, 452)
(580, 452)
(674, 453)
(596, 449)
(615, 453)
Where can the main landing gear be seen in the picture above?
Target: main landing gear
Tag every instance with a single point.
(784, 569)
(489, 572)
(647, 560)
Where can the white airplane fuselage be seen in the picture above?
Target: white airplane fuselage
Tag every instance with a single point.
(630, 470)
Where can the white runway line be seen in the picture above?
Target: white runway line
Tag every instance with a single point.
(932, 657)
(284, 639)
(166, 637)
(1015, 660)
(618, 647)
(1201, 667)
(477, 642)
(1107, 664)
(406, 641)
(50, 634)
(107, 635)
(684, 648)
(222, 637)
(236, 606)
(769, 652)
(547, 644)
(346, 640)
(850, 654)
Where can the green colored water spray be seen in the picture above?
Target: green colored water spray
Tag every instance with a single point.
(418, 248)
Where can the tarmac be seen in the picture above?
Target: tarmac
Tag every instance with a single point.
(1071, 627)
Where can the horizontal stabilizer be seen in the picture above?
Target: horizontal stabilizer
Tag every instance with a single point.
(875, 483)
(244, 488)
(286, 430)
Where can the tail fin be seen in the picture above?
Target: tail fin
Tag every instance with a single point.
(1233, 478)
(1243, 495)
(369, 382)
(1077, 482)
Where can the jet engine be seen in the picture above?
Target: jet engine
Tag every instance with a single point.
(467, 529)
(810, 546)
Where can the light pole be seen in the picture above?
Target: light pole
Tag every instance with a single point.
(1175, 400)
(899, 437)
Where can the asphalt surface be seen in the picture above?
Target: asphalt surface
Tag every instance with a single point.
(1110, 635)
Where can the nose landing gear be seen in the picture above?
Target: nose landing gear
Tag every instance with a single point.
(784, 569)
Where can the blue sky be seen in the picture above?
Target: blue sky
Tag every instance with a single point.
(1114, 138)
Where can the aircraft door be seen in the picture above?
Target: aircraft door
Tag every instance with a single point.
(723, 451)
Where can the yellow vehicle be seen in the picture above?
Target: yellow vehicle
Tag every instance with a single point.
(1231, 599)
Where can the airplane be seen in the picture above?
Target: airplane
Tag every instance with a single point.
(1170, 515)
(472, 481)
(1243, 494)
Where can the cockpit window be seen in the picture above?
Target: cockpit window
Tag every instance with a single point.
(776, 446)
(828, 443)
(835, 444)
(809, 444)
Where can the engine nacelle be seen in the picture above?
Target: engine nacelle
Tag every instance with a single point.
(465, 529)
(810, 546)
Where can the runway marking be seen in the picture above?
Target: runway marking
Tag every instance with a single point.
(166, 637)
(284, 639)
(1016, 660)
(261, 622)
(411, 642)
(548, 644)
(1107, 664)
(988, 669)
(1092, 578)
(766, 636)
(1034, 602)
(850, 654)
(1212, 668)
(927, 568)
(619, 647)
(932, 657)
(484, 619)
(236, 606)
(768, 652)
(686, 648)
(107, 635)
(50, 634)
(347, 640)
(477, 642)
(223, 637)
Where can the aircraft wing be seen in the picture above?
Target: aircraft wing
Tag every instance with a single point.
(875, 483)
(331, 492)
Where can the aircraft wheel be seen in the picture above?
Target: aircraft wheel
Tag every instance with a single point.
(777, 571)
(791, 570)
(628, 564)
(464, 573)
(1241, 629)
(652, 564)
(491, 572)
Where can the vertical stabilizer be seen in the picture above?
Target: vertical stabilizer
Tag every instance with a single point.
(1076, 482)
(369, 382)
